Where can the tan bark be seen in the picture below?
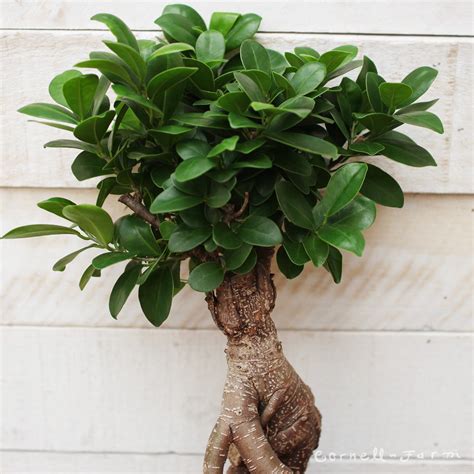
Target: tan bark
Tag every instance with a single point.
(268, 421)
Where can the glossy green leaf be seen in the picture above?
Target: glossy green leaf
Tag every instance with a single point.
(79, 93)
(93, 129)
(254, 56)
(294, 205)
(122, 289)
(71, 144)
(294, 163)
(227, 144)
(210, 47)
(56, 86)
(296, 252)
(177, 27)
(346, 238)
(223, 21)
(236, 258)
(93, 220)
(367, 148)
(55, 205)
(333, 264)
(308, 77)
(49, 112)
(377, 122)
(382, 188)
(317, 249)
(250, 87)
(171, 49)
(108, 259)
(130, 56)
(190, 13)
(185, 238)
(257, 161)
(278, 62)
(418, 107)
(118, 28)
(88, 165)
(136, 236)
(167, 228)
(193, 168)
(62, 263)
(172, 200)
(188, 149)
(367, 66)
(338, 57)
(422, 119)
(218, 195)
(156, 295)
(306, 143)
(372, 84)
(38, 230)
(89, 272)
(237, 102)
(111, 69)
(420, 81)
(393, 94)
(244, 28)
(206, 277)
(286, 266)
(343, 187)
(359, 214)
(225, 237)
(237, 121)
(260, 231)
(399, 147)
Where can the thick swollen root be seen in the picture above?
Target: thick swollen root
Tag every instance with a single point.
(268, 423)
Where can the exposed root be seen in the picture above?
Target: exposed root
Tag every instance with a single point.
(268, 422)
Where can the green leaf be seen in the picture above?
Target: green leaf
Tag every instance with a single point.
(108, 259)
(130, 56)
(127, 95)
(399, 147)
(223, 21)
(382, 188)
(372, 83)
(193, 168)
(237, 121)
(359, 214)
(338, 57)
(118, 28)
(167, 79)
(111, 69)
(257, 161)
(294, 205)
(294, 163)
(185, 238)
(55, 205)
(89, 272)
(225, 237)
(250, 146)
(334, 264)
(93, 129)
(122, 289)
(38, 230)
(317, 249)
(177, 27)
(418, 107)
(54, 125)
(167, 228)
(49, 112)
(236, 102)
(306, 143)
(286, 266)
(377, 122)
(61, 264)
(79, 93)
(308, 77)
(217, 195)
(227, 144)
(420, 81)
(278, 62)
(422, 119)
(393, 94)
(250, 87)
(156, 295)
(296, 252)
(343, 237)
(244, 28)
(255, 56)
(343, 187)
(367, 66)
(172, 200)
(136, 236)
(190, 13)
(88, 165)
(367, 148)
(210, 47)
(93, 220)
(193, 148)
(260, 231)
(248, 265)
(170, 49)
(56, 86)
(71, 144)
(199, 120)
(236, 258)
(206, 277)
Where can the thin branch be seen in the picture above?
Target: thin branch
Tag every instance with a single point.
(140, 210)
(242, 209)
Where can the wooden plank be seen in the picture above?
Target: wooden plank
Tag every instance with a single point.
(26, 163)
(323, 16)
(140, 391)
(48, 463)
(415, 275)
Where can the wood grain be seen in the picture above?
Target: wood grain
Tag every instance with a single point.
(415, 275)
(139, 391)
(26, 163)
(352, 16)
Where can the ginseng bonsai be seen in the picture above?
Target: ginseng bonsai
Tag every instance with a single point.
(225, 151)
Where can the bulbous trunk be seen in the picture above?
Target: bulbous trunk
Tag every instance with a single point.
(268, 421)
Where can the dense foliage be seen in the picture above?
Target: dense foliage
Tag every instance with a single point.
(222, 145)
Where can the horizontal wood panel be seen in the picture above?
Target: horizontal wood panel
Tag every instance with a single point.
(352, 16)
(47, 463)
(415, 274)
(137, 391)
(26, 163)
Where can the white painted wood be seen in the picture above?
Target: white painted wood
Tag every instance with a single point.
(420, 17)
(158, 391)
(48, 463)
(26, 163)
(415, 275)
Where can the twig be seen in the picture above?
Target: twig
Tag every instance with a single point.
(139, 209)
(242, 209)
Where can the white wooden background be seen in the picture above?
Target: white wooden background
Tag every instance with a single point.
(388, 352)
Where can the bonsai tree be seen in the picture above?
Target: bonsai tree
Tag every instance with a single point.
(226, 151)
